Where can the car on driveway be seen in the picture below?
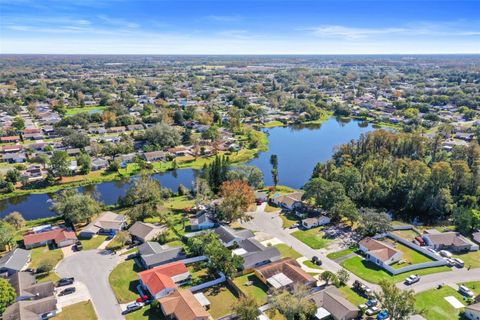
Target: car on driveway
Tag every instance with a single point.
(459, 262)
(65, 282)
(316, 260)
(64, 292)
(383, 315)
(412, 279)
(372, 311)
(445, 253)
(133, 307)
(132, 256)
(466, 292)
(79, 246)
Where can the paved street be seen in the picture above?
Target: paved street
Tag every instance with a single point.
(93, 268)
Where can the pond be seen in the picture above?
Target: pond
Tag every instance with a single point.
(299, 149)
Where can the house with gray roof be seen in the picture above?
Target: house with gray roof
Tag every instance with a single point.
(331, 304)
(255, 254)
(143, 231)
(202, 222)
(14, 261)
(107, 222)
(32, 309)
(153, 254)
(230, 237)
(26, 287)
(452, 241)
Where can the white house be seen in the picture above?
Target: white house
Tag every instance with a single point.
(379, 253)
(309, 223)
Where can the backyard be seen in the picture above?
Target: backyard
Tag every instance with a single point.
(313, 238)
(410, 256)
(251, 286)
(222, 299)
(372, 273)
(78, 311)
(124, 281)
(434, 305)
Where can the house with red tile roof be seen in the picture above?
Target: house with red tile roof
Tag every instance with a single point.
(162, 280)
(10, 139)
(60, 237)
(285, 273)
(183, 305)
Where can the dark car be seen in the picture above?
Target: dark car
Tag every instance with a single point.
(65, 282)
(317, 260)
(79, 246)
(132, 256)
(67, 291)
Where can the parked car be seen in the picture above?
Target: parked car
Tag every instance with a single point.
(47, 315)
(371, 303)
(79, 246)
(293, 226)
(317, 260)
(67, 291)
(372, 311)
(65, 282)
(466, 292)
(450, 262)
(420, 240)
(412, 279)
(133, 307)
(259, 202)
(459, 262)
(445, 253)
(362, 289)
(142, 299)
(132, 256)
(383, 315)
(433, 251)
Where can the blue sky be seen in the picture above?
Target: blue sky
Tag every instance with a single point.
(239, 27)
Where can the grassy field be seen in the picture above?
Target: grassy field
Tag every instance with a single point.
(43, 255)
(372, 273)
(78, 311)
(314, 238)
(272, 124)
(340, 254)
(222, 299)
(93, 243)
(146, 313)
(73, 111)
(352, 296)
(124, 281)
(471, 259)
(435, 306)
(257, 290)
(286, 251)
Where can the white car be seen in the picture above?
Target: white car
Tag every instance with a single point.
(466, 292)
(445, 253)
(433, 251)
(450, 262)
(412, 279)
(372, 311)
(459, 262)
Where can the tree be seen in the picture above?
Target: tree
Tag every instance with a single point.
(399, 303)
(162, 135)
(7, 234)
(18, 123)
(76, 140)
(328, 277)
(326, 194)
(16, 219)
(295, 305)
(7, 294)
(274, 163)
(250, 174)
(246, 308)
(12, 176)
(343, 276)
(75, 207)
(216, 172)
(84, 162)
(59, 164)
(237, 198)
(144, 195)
(373, 222)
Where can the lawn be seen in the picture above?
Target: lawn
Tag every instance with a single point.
(146, 313)
(44, 277)
(314, 238)
(288, 220)
(473, 285)
(78, 311)
(179, 203)
(434, 305)
(406, 234)
(269, 208)
(471, 259)
(312, 265)
(287, 252)
(124, 281)
(222, 299)
(43, 255)
(340, 254)
(93, 243)
(73, 111)
(352, 296)
(257, 289)
(199, 274)
(410, 256)
(372, 273)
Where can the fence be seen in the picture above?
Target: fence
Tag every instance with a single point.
(209, 284)
(194, 259)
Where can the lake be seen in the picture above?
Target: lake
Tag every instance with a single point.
(298, 148)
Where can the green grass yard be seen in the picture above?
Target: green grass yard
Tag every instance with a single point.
(340, 254)
(410, 256)
(78, 311)
(473, 285)
(352, 296)
(42, 255)
(313, 238)
(222, 300)
(257, 289)
(287, 252)
(146, 313)
(73, 111)
(124, 280)
(372, 273)
(93, 243)
(433, 303)
(471, 259)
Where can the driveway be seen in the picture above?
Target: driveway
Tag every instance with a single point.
(81, 294)
(92, 268)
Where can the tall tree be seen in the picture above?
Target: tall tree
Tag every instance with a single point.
(16, 219)
(144, 195)
(246, 308)
(7, 234)
(295, 305)
(237, 197)
(59, 164)
(75, 207)
(399, 303)
(7, 294)
(274, 163)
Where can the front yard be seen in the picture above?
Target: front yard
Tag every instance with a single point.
(93, 243)
(124, 281)
(433, 303)
(42, 256)
(251, 286)
(222, 300)
(340, 254)
(410, 256)
(78, 311)
(287, 252)
(372, 273)
(313, 238)
(146, 313)
(352, 296)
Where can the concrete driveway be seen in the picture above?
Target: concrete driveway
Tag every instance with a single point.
(81, 294)
(92, 268)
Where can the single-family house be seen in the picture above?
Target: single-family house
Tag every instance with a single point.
(378, 252)
(60, 237)
(143, 231)
(289, 201)
(255, 254)
(183, 305)
(309, 223)
(107, 223)
(202, 222)
(331, 304)
(26, 287)
(261, 196)
(285, 273)
(451, 240)
(476, 237)
(154, 156)
(230, 237)
(14, 261)
(32, 309)
(16, 157)
(99, 164)
(153, 254)
(162, 281)
(472, 312)
(10, 139)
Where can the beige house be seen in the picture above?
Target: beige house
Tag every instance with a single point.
(379, 252)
